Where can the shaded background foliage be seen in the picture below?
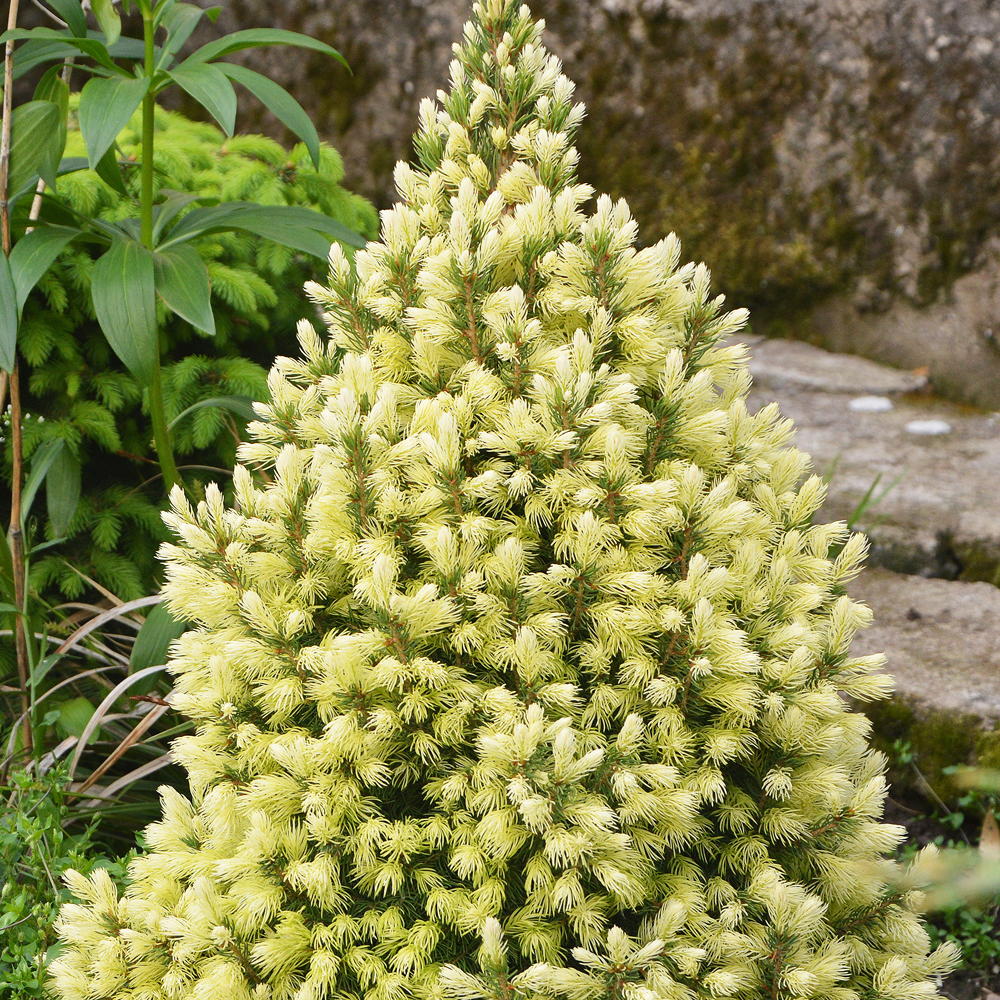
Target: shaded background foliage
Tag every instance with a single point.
(81, 392)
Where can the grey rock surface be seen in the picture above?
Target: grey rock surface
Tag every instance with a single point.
(811, 151)
(940, 638)
(787, 365)
(941, 516)
(957, 338)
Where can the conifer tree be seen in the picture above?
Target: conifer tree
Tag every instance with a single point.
(523, 675)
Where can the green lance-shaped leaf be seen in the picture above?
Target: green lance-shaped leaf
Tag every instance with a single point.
(179, 21)
(242, 406)
(278, 101)
(59, 44)
(213, 218)
(38, 51)
(71, 11)
(209, 86)
(281, 230)
(254, 38)
(35, 147)
(62, 490)
(52, 87)
(8, 316)
(70, 164)
(123, 289)
(108, 170)
(74, 716)
(152, 645)
(108, 19)
(106, 105)
(129, 48)
(33, 254)
(290, 225)
(182, 282)
(168, 210)
(41, 462)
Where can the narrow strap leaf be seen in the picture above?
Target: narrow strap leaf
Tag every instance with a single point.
(280, 103)
(106, 106)
(210, 88)
(182, 282)
(123, 291)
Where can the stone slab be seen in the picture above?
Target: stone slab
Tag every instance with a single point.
(941, 638)
(788, 365)
(941, 518)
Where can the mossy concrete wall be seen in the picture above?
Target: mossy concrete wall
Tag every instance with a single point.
(834, 161)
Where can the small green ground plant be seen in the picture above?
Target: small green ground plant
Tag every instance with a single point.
(522, 677)
(35, 853)
(965, 908)
(975, 929)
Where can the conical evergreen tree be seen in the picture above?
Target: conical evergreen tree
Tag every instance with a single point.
(523, 676)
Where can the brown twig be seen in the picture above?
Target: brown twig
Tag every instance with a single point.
(17, 549)
(8, 81)
(16, 537)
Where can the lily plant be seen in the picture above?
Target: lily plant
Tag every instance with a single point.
(150, 254)
(147, 256)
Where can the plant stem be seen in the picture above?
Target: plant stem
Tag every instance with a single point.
(157, 413)
(17, 556)
(161, 433)
(8, 86)
(16, 536)
(148, 122)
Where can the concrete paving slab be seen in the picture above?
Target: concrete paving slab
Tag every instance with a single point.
(941, 638)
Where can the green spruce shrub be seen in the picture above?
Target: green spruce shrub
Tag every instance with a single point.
(523, 676)
(82, 392)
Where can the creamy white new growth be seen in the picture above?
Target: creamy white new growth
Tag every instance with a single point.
(521, 676)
